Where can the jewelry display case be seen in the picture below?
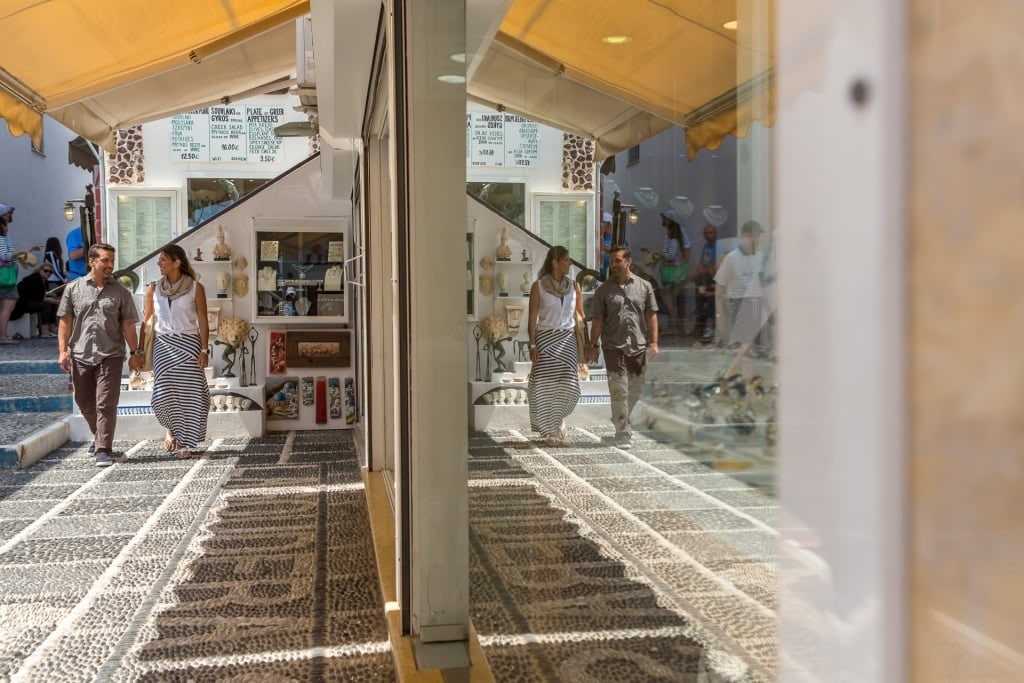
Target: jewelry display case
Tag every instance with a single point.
(299, 270)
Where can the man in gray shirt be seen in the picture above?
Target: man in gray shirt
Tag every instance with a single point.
(97, 316)
(625, 319)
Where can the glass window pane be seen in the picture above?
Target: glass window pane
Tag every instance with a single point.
(631, 501)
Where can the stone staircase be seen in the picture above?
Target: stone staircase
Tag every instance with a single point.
(35, 402)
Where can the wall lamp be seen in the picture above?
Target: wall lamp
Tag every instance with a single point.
(620, 214)
(69, 208)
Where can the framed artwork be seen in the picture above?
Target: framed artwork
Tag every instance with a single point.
(319, 349)
(336, 251)
(278, 363)
(268, 250)
(321, 400)
(213, 320)
(350, 401)
(330, 304)
(307, 391)
(282, 398)
(334, 397)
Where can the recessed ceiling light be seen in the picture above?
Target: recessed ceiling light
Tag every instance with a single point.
(617, 40)
(459, 57)
(731, 25)
(451, 78)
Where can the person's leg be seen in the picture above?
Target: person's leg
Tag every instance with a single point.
(6, 307)
(83, 381)
(636, 375)
(618, 390)
(108, 392)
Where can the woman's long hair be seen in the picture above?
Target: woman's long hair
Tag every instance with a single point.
(675, 232)
(555, 253)
(53, 244)
(174, 252)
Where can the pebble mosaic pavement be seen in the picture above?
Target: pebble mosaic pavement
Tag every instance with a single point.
(594, 564)
(253, 563)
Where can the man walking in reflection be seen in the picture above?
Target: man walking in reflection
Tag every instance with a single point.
(625, 325)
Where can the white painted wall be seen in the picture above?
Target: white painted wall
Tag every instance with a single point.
(38, 184)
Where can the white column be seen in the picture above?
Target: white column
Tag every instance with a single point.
(841, 226)
(435, 193)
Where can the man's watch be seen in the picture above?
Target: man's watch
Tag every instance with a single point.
(139, 352)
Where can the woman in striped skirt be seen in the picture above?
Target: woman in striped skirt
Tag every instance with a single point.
(554, 388)
(181, 396)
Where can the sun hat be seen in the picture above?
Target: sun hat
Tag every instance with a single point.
(672, 216)
(5, 209)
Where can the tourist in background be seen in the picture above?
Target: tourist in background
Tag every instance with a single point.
(33, 297)
(55, 257)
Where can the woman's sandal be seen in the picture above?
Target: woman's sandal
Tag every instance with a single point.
(170, 443)
(184, 454)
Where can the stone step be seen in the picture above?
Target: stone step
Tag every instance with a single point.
(31, 367)
(35, 393)
(14, 428)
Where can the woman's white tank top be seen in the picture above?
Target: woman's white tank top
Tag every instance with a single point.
(556, 313)
(177, 317)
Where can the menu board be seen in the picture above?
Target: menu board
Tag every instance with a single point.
(498, 139)
(564, 222)
(144, 224)
(522, 141)
(233, 133)
(227, 134)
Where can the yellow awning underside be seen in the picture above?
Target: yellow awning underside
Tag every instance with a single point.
(101, 65)
(551, 61)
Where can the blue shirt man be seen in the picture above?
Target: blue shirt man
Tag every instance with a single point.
(77, 266)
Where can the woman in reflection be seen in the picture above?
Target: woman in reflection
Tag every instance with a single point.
(554, 387)
(181, 396)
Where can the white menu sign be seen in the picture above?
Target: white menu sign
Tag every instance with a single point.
(522, 141)
(498, 139)
(263, 143)
(190, 136)
(486, 139)
(227, 133)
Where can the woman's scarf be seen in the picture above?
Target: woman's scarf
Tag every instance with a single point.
(179, 288)
(559, 289)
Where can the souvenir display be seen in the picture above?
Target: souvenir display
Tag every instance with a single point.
(282, 398)
(307, 391)
(334, 397)
(278, 353)
(321, 400)
(332, 279)
(350, 401)
(221, 250)
(268, 250)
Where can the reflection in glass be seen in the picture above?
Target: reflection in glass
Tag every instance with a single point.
(508, 199)
(209, 196)
(663, 541)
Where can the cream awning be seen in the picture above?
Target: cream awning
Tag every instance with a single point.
(101, 65)
(680, 66)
